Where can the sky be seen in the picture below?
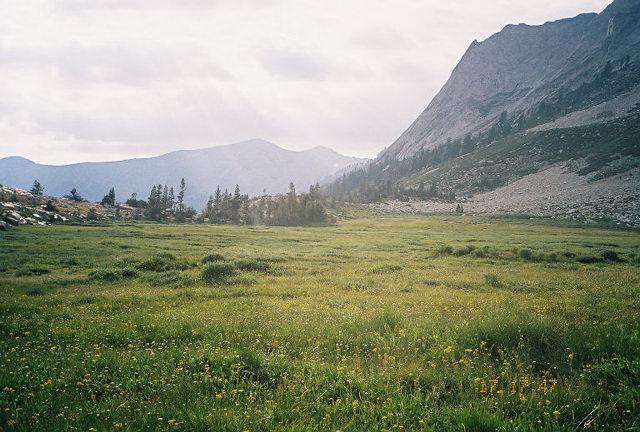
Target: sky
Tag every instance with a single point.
(100, 80)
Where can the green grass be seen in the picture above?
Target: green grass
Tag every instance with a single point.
(390, 323)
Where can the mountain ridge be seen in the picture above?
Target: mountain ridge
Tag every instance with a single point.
(255, 165)
(514, 70)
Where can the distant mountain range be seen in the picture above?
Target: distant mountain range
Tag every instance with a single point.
(255, 165)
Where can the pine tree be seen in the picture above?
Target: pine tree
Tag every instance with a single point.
(37, 189)
(165, 199)
(236, 203)
(180, 200)
(110, 198)
(172, 198)
(154, 204)
(74, 195)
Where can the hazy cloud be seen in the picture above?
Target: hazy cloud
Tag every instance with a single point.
(109, 79)
(294, 65)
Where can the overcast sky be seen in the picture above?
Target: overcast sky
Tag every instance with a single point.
(88, 80)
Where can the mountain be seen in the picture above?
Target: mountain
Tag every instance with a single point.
(536, 119)
(523, 67)
(255, 165)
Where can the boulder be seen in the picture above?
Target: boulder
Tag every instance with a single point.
(4, 226)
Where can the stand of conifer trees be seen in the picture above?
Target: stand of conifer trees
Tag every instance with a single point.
(288, 209)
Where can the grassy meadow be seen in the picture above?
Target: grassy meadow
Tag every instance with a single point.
(375, 324)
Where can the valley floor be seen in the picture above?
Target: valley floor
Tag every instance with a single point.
(389, 323)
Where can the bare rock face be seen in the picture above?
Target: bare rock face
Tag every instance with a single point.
(516, 69)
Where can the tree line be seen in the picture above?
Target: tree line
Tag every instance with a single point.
(165, 205)
(290, 209)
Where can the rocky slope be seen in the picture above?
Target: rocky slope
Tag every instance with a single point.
(255, 165)
(556, 192)
(19, 207)
(522, 67)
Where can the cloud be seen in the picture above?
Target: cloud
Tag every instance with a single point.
(294, 65)
(101, 5)
(89, 80)
(116, 63)
(383, 39)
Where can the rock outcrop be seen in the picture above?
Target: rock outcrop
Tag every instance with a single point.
(19, 207)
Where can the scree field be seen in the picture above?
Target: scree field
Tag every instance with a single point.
(375, 324)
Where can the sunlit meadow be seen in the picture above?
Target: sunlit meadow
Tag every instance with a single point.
(386, 323)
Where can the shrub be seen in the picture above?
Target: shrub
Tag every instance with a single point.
(253, 265)
(485, 252)
(216, 272)
(129, 273)
(161, 263)
(588, 259)
(492, 280)
(70, 262)
(465, 250)
(105, 275)
(527, 254)
(212, 258)
(445, 250)
(35, 292)
(610, 255)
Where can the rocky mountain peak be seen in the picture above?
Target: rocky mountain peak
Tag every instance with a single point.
(515, 69)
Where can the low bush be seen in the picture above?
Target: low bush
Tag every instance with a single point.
(217, 272)
(212, 258)
(492, 280)
(105, 275)
(610, 255)
(253, 265)
(129, 273)
(485, 252)
(467, 250)
(161, 263)
(588, 259)
(71, 262)
(35, 292)
(445, 250)
(527, 254)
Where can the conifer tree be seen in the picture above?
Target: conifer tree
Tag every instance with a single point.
(37, 189)
(110, 198)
